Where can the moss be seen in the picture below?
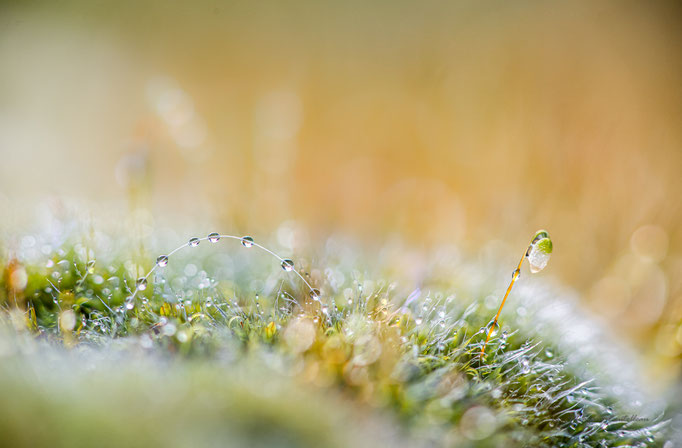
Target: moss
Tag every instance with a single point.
(413, 367)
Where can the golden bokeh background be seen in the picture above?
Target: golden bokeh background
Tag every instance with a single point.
(439, 122)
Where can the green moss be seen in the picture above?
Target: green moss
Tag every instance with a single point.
(414, 369)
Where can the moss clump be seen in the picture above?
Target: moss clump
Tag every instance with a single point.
(206, 361)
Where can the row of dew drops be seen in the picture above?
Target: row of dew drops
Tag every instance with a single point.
(246, 241)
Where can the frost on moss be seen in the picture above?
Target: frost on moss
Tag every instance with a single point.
(224, 348)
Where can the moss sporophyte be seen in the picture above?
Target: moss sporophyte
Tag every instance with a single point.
(538, 252)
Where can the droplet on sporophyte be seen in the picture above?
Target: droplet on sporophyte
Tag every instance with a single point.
(194, 242)
(214, 237)
(315, 294)
(287, 265)
(539, 251)
(141, 283)
(492, 328)
(162, 261)
(247, 241)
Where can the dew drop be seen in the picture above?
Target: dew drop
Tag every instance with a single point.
(194, 242)
(492, 328)
(549, 354)
(525, 365)
(315, 294)
(214, 237)
(130, 305)
(418, 321)
(247, 241)
(537, 260)
(162, 261)
(287, 265)
(141, 283)
(539, 252)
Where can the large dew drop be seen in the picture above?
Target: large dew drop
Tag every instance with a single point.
(141, 283)
(287, 265)
(539, 252)
(492, 328)
(247, 241)
(194, 242)
(162, 261)
(214, 237)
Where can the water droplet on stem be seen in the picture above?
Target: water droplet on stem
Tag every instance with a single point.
(539, 251)
(141, 283)
(492, 328)
(287, 265)
(247, 241)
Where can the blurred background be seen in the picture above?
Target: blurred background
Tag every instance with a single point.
(437, 123)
